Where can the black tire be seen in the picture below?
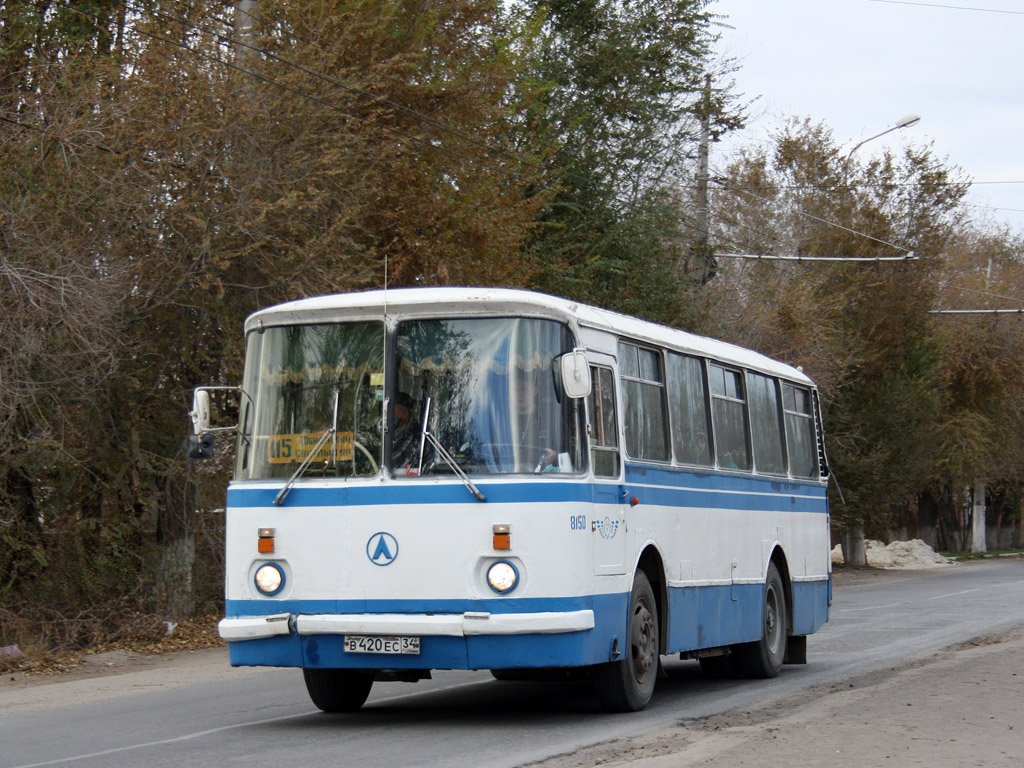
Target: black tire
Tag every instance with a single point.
(627, 685)
(764, 658)
(338, 690)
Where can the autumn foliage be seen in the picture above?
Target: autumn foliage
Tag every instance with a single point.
(168, 167)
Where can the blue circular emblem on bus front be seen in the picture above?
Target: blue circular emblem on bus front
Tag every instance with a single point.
(382, 548)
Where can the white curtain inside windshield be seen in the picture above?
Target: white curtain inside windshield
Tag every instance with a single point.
(317, 392)
(488, 389)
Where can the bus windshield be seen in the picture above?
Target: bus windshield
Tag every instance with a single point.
(314, 392)
(490, 392)
(486, 389)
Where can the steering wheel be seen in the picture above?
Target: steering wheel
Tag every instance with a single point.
(373, 462)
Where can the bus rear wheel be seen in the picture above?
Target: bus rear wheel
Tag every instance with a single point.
(764, 657)
(338, 690)
(627, 685)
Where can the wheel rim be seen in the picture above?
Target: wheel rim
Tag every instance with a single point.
(642, 641)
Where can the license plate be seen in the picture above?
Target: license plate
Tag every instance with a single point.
(382, 644)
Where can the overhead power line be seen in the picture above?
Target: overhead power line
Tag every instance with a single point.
(989, 294)
(725, 185)
(949, 7)
(875, 185)
(909, 256)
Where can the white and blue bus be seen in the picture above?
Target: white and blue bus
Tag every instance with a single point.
(477, 478)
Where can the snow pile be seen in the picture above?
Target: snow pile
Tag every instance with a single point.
(898, 554)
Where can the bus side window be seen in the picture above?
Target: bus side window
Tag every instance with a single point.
(604, 442)
(688, 406)
(800, 437)
(643, 403)
(766, 424)
(729, 413)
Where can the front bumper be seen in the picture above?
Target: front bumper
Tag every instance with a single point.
(474, 623)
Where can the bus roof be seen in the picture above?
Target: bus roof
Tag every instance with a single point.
(440, 302)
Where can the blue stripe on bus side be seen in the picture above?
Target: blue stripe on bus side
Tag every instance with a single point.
(700, 617)
(695, 479)
(662, 486)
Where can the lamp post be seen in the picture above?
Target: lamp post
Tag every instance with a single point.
(853, 539)
(903, 122)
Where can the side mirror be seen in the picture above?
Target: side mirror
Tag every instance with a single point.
(200, 446)
(575, 374)
(200, 442)
(200, 412)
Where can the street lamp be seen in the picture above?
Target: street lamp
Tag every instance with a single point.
(903, 122)
(853, 538)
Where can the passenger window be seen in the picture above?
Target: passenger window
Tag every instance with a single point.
(766, 424)
(688, 407)
(800, 438)
(729, 414)
(643, 401)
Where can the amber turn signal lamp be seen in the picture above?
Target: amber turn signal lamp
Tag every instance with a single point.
(502, 535)
(265, 544)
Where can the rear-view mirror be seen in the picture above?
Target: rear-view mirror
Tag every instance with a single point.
(200, 411)
(575, 374)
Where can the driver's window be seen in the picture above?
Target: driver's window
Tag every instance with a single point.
(603, 427)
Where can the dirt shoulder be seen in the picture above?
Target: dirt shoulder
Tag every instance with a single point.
(197, 638)
(961, 706)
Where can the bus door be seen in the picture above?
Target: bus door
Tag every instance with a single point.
(608, 515)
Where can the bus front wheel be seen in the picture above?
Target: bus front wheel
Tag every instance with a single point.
(764, 657)
(627, 685)
(338, 690)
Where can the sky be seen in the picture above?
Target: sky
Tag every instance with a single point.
(859, 66)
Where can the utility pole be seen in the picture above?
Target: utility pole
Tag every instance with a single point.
(702, 250)
(978, 543)
(245, 23)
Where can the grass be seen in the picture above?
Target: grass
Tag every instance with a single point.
(984, 555)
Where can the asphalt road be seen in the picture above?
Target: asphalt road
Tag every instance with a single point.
(203, 714)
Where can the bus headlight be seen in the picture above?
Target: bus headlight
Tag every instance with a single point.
(269, 578)
(502, 576)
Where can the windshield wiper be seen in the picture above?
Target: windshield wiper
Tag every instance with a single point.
(332, 432)
(279, 499)
(428, 436)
